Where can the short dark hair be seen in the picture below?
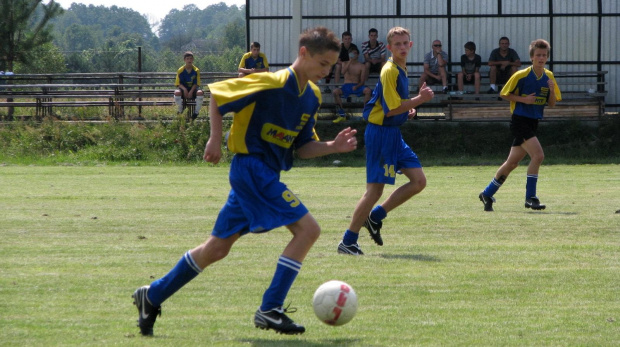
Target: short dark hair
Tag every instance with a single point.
(372, 30)
(504, 38)
(346, 33)
(318, 40)
(255, 44)
(539, 44)
(188, 54)
(471, 46)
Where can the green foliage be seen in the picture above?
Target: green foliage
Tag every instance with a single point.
(176, 141)
(46, 58)
(24, 26)
(180, 141)
(215, 28)
(89, 27)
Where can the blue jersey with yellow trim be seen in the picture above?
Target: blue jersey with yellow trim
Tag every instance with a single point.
(390, 91)
(272, 116)
(188, 79)
(525, 82)
(248, 62)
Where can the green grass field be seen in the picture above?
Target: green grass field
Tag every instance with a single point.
(77, 241)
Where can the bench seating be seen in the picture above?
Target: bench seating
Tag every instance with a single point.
(155, 90)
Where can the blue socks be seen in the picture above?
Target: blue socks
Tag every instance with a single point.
(350, 237)
(530, 186)
(492, 188)
(163, 288)
(378, 214)
(286, 272)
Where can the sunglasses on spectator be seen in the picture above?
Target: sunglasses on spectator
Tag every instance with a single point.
(436, 45)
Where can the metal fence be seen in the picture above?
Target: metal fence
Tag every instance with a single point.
(583, 34)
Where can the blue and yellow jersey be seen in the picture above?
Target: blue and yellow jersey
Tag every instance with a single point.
(247, 62)
(272, 116)
(390, 91)
(188, 79)
(525, 82)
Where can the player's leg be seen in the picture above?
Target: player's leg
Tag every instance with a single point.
(271, 314)
(367, 94)
(517, 153)
(423, 78)
(199, 99)
(534, 150)
(460, 83)
(337, 72)
(178, 100)
(492, 79)
(148, 299)
(338, 100)
(417, 183)
(444, 78)
(348, 244)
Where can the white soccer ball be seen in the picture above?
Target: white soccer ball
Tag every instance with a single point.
(335, 303)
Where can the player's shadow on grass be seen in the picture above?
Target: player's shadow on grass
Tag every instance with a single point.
(416, 257)
(297, 343)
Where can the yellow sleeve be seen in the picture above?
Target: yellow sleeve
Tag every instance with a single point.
(265, 59)
(242, 62)
(390, 94)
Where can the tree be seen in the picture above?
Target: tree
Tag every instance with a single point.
(24, 26)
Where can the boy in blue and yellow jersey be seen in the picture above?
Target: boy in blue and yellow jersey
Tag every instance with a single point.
(386, 151)
(274, 115)
(253, 61)
(188, 84)
(528, 91)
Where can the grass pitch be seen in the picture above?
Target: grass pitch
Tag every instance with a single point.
(77, 241)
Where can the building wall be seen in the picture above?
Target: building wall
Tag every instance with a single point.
(583, 34)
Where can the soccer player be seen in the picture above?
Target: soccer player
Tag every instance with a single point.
(188, 85)
(274, 115)
(528, 91)
(253, 61)
(386, 151)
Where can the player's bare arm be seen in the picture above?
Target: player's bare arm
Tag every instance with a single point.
(344, 142)
(552, 99)
(213, 150)
(425, 94)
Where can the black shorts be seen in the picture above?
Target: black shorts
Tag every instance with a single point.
(430, 81)
(503, 76)
(522, 128)
(375, 68)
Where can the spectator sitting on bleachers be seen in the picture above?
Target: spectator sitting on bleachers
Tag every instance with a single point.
(188, 84)
(435, 63)
(375, 54)
(470, 68)
(504, 61)
(353, 72)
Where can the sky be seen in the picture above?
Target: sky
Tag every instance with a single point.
(155, 10)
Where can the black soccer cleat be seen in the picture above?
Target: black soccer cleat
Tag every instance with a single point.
(353, 249)
(277, 320)
(487, 201)
(147, 313)
(534, 204)
(375, 230)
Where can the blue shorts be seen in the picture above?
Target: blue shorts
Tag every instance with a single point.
(347, 89)
(386, 154)
(257, 202)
